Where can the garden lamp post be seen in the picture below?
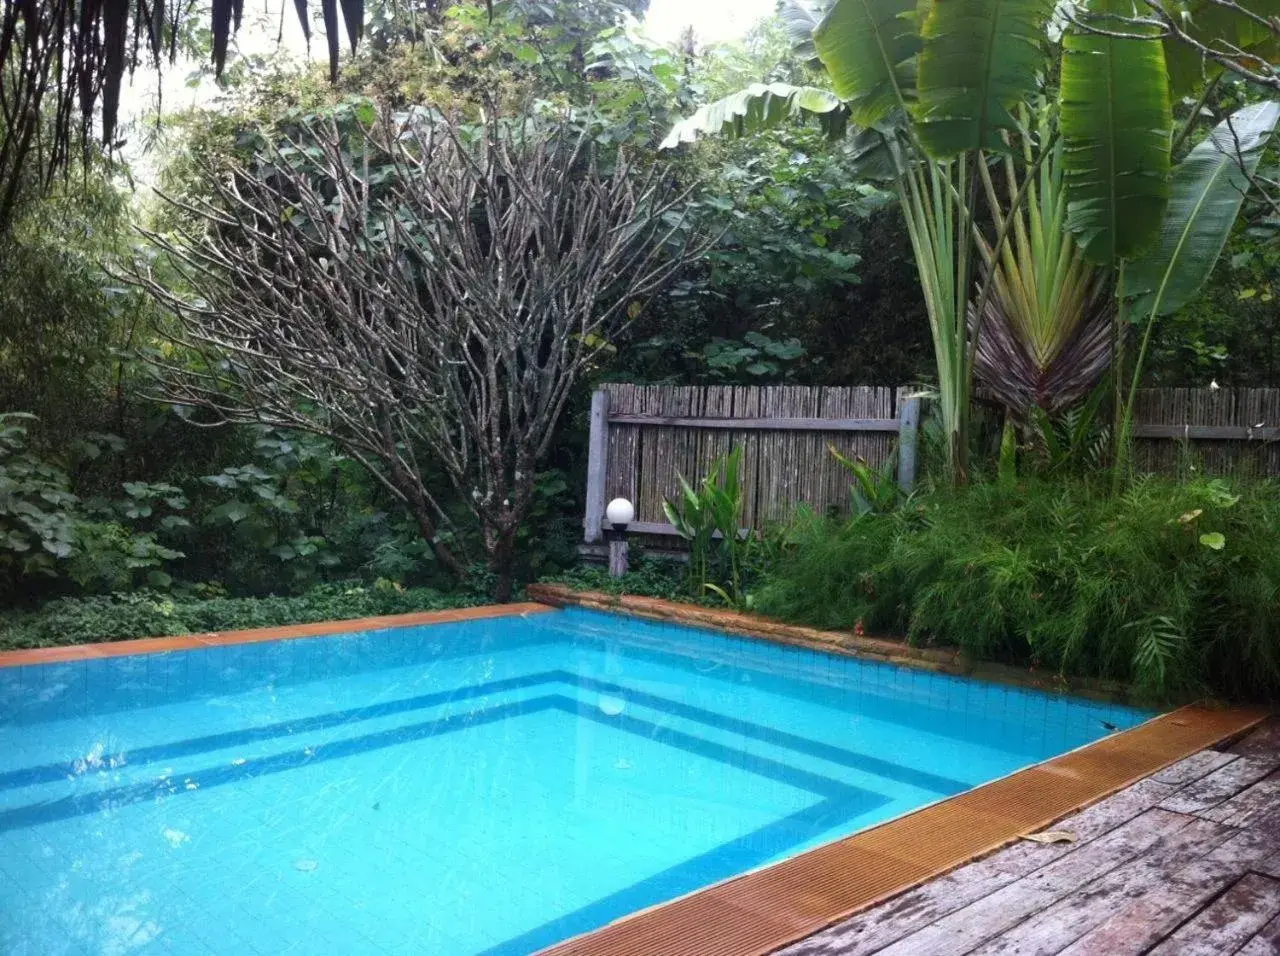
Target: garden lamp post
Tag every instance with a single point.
(619, 513)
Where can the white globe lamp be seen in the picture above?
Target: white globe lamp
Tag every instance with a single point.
(620, 512)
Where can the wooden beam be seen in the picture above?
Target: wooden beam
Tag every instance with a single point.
(769, 424)
(1208, 432)
(664, 527)
(597, 450)
(908, 438)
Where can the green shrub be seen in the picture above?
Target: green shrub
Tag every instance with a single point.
(153, 614)
(648, 577)
(1173, 587)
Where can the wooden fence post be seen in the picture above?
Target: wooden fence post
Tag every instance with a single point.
(908, 438)
(597, 450)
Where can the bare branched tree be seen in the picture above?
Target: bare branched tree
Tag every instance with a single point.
(422, 293)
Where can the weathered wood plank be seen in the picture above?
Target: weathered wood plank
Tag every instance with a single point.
(871, 931)
(1219, 786)
(1152, 913)
(597, 452)
(1266, 942)
(908, 437)
(963, 930)
(1229, 922)
(1261, 742)
(1194, 767)
(1207, 432)
(767, 424)
(1249, 804)
(1056, 927)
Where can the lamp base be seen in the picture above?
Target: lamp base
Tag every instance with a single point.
(618, 549)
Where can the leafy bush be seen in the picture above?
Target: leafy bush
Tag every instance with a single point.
(46, 530)
(153, 614)
(1174, 587)
(648, 577)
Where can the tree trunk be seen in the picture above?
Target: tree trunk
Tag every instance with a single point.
(421, 512)
(501, 545)
(427, 528)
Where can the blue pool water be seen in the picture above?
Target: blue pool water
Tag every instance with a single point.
(486, 786)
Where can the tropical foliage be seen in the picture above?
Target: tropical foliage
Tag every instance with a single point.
(1170, 586)
(1027, 210)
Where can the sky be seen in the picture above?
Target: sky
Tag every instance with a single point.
(713, 21)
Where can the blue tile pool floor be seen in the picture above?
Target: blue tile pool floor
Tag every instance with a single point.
(489, 786)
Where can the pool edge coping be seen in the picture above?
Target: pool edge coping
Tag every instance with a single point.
(70, 653)
(769, 908)
(953, 662)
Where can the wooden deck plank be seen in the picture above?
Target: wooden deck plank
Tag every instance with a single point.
(1229, 922)
(1145, 915)
(1054, 928)
(1266, 942)
(1249, 804)
(1221, 785)
(762, 911)
(1260, 742)
(1194, 767)
(967, 928)
(875, 929)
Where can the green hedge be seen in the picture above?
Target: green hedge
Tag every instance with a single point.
(1174, 587)
(153, 614)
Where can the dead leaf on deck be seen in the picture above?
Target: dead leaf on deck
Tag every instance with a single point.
(1051, 836)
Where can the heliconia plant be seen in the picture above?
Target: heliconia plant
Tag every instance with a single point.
(714, 508)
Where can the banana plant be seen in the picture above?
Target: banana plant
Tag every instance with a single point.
(941, 84)
(939, 87)
(1209, 186)
(952, 85)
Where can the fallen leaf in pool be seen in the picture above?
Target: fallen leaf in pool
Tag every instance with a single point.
(176, 837)
(306, 866)
(611, 706)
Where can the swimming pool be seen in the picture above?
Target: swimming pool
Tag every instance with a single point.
(488, 786)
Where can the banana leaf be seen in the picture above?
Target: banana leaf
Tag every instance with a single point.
(760, 106)
(981, 58)
(1208, 189)
(869, 48)
(1116, 121)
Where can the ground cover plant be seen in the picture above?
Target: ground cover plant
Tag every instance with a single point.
(119, 616)
(1174, 586)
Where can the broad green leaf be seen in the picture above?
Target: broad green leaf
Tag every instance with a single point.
(759, 106)
(1116, 122)
(801, 18)
(1208, 188)
(869, 49)
(1214, 539)
(1224, 27)
(980, 59)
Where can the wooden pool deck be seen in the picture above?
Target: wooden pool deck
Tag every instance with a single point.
(1184, 862)
(1140, 805)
